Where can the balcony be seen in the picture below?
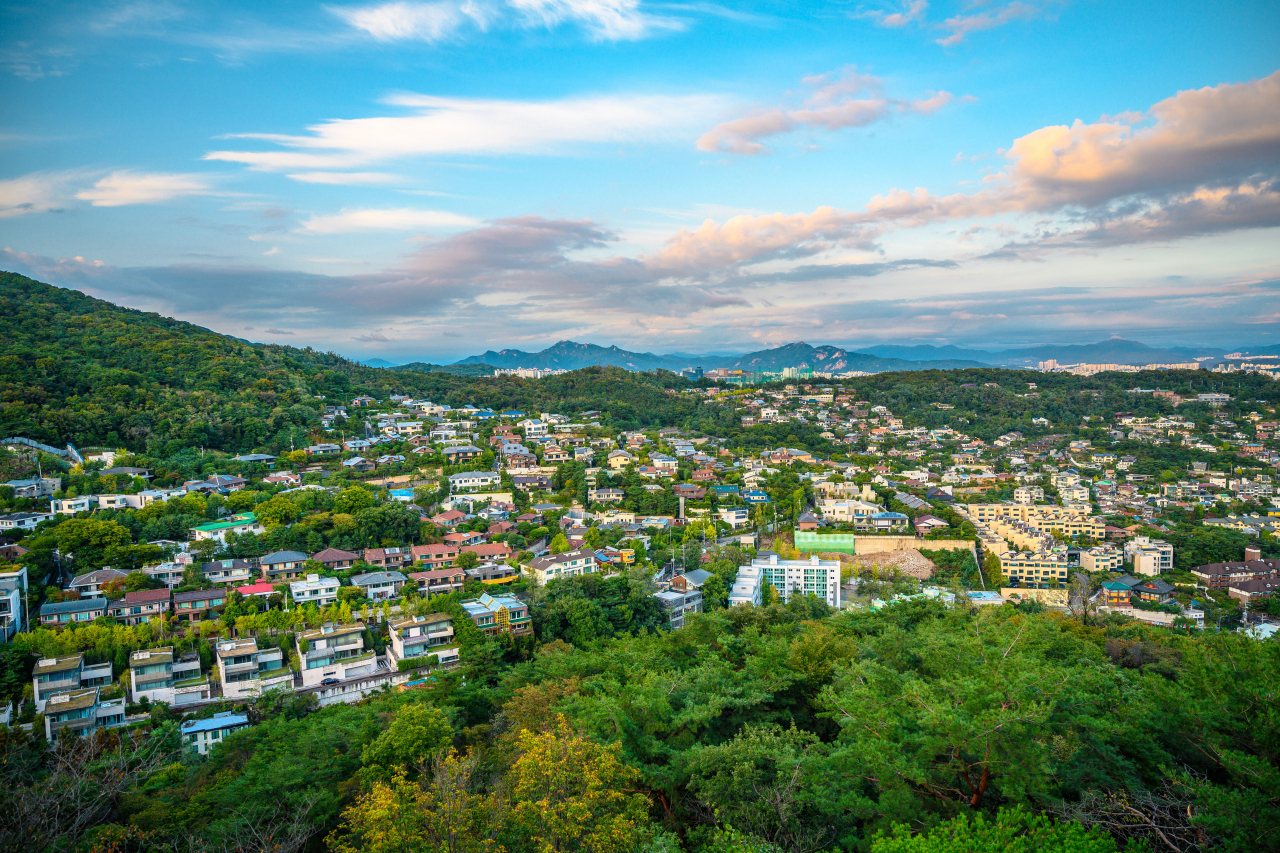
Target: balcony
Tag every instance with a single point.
(79, 725)
(237, 668)
(94, 675)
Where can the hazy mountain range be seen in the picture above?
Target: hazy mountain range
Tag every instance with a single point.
(571, 355)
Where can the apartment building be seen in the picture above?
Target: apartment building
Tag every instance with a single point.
(1102, 558)
(1035, 570)
(317, 590)
(247, 671)
(1067, 520)
(1222, 575)
(160, 677)
(438, 556)
(418, 636)
(549, 567)
(813, 576)
(204, 735)
(1149, 556)
(140, 606)
(1028, 495)
(748, 587)
(500, 614)
(51, 676)
(677, 605)
(334, 651)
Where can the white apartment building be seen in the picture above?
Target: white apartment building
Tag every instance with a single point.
(1149, 556)
(801, 577)
(1028, 495)
(551, 566)
(418, 636)
(13, 614)
(318, 590)
(748, 587)
(468, 480)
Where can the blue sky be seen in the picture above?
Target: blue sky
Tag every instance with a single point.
(426, 180)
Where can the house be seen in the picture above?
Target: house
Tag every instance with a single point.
(287, 478)
(62, 674)
(157, 676)
(170, 573)
(198, 604)
(388, 558)
(334, 651)
(619, 459)
(379, 586)
(531, 483)
(887, 521)
(549, 567)
(1246, 591)
(813, 576)
(247, 671)
(439, 581)
(462, 453)
(808, 521)
(735, 516)
(228, 572)
(261, 589)
(532, 427)
(139, 606)
(690, 581)
(501, 614)
(677, 605)
(448, 519)
(436, 556)
(1154, 592)
(204, 735)
(468, 481)
(463, 538)
(1222, 575)
(63, 613)
(81, 711)
(490, 551)
(604, 496)
(335, 558)
(89, 585)
(1116, 594)
(755, 496)
(689, 491)
(217, 531)
(554, 455)
(416, 637)
(315, 589)
(358, 463)
(283, 566)
(36, 487)
(23, 520)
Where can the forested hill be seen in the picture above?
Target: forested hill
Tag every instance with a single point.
(74, 368)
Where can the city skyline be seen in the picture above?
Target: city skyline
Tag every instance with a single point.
(426, 181)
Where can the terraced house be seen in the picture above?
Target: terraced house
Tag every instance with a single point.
(63, 674)
(247, 671)
(140, 606)
(334, 651)
(156, 675)
(82, 711)
(502, 614)
(419, 636)
(198, 604)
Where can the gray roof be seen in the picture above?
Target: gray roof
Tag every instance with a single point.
(371, 578)
(284, 557)
(224, 720)
(697, 577)
(84, 605)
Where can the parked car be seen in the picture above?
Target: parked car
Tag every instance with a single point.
(329, 681)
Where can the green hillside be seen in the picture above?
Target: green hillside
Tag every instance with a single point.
(74, 368)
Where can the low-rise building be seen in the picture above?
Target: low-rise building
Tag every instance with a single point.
(549, 567)
(204, 735)
(89, 585)
(335, 559)
(140, 606)
(1040, 570)
(748, 587)
(13, 613)
(160, 677)
(677, 605)
(813, 576)
(315, 589)
(246, 671)
(334, 651)
(64, 673)
(283, 566)
(499, 614)
(59, 614)
(440, 581)
(470, 481)
(82, 711)
(217, 531)
(198, 604)
(1149, 556)
(1101, 558)
(1222, 575)
(418, 636)
(379, 586)
(229, 572)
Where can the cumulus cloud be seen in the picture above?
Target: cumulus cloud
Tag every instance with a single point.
(831, 105)
(741, 239)
(442, 20)
(475, 127)
(125, 187)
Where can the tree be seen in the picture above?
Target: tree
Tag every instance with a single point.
(352, 499)
(571, 794)
(467, 560)
(559, 544)
(414, 735)
(277, 511)
(1013, 830)
(87, 541)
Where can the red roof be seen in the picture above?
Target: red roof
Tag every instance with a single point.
(263, 588)
(146, 596)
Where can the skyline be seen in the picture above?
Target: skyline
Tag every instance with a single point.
(426, 181)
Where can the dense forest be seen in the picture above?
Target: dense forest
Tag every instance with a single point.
(915, 728)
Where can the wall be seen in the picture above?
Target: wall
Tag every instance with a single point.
(853, 543)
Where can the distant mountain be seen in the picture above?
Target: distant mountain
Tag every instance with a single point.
(1113, 351)
(469, 369)
(377, 362)
(569, 355)
(829, 359)
(1269, 349)
(926, 352)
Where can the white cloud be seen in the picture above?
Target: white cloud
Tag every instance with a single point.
(35, 193)
(124, 187)
(961, 25)
(442, 20)
(908, 12)
(477, 127)
(396, 219)
(345, 178)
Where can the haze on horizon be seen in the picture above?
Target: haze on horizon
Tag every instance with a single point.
(430, 180)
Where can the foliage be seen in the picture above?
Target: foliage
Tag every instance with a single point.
(1011, 831)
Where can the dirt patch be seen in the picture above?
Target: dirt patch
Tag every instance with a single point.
(909, 562)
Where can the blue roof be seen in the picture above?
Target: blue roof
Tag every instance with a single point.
(84, 605)
(223, 720)
(888, 515)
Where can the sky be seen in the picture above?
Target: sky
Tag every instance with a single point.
(423, 181)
